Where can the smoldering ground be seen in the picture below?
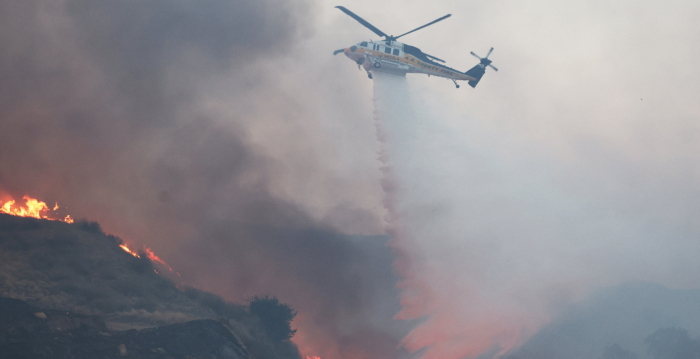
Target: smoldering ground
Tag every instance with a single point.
(104, 109)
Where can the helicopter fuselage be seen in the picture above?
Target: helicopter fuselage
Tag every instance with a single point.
(391, 56)
(399, 59)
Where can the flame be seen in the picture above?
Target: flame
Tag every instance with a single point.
(149, 253)
(127, 250)
(316, 342)
(32, 208)
(6, 207)
(36, 209)
(152, 256)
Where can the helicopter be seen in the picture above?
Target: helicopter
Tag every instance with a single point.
(391, 56)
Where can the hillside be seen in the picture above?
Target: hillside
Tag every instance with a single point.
(29, 332)
(623, 316)
(56, 267)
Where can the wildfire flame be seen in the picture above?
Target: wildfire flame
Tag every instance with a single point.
(32, 208)
(149, 253)
(37, 209)
(127, 250)
(152, 256)
(313, 358)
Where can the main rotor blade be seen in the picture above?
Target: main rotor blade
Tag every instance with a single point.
(362, 21)
(428, 24)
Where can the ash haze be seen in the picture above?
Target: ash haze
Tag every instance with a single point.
(226, 136)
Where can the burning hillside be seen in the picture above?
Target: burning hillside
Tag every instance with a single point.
(76, 268)
(116, 127)
(32, 208)
(52, 263)
(35, 208)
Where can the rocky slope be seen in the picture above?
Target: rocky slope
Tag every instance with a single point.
(99, 301)
(29, 332)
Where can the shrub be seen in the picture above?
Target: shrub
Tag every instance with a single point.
(275, 317)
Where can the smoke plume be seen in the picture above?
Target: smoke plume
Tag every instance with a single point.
(422, 175)
(493, 243)
(243, 153)
(137, 115)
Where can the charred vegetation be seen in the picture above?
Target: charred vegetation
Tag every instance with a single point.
(94, 297)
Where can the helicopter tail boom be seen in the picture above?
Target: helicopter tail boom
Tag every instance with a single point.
(476, 72)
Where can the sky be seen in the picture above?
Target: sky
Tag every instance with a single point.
(577, 173)
(226, 136)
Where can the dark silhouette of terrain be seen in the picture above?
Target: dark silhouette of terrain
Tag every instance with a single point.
(70, 291)
(29, 332)
(634, 320)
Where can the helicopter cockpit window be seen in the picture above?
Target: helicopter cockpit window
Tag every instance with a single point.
(396, 52)
(387, 50)
(363, 44)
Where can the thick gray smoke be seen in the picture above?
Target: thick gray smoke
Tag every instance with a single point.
(616, 323)
(137, 115)
(441, 239)
(491, 247)
(181, 125)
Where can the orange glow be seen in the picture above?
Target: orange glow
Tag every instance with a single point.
(152, 256)
(127, 250)
(315, 342)
(149, 253)
(6, 207)
(32, 208)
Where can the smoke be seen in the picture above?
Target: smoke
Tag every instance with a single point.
(495, 239)
(428, 184)
(622, 316)
(155, 118)
(215, 134)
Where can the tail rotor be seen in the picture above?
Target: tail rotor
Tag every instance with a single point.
(485, 60)
(479, 70)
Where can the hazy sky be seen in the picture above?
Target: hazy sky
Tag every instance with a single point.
(199, 129)
(572, 168)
